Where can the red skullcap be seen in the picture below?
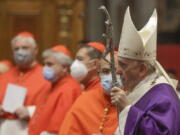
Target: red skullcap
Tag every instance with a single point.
(26, 34)
(97, 45)
(62, 49)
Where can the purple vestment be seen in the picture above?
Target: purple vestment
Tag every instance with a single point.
(156, 113)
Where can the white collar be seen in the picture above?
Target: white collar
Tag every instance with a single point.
(144, 86)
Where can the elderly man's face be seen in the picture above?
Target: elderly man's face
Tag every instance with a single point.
(129, 71)
(24, 52)
(52, 62)
(22, 44)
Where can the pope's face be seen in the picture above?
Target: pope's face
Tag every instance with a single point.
(129, 71)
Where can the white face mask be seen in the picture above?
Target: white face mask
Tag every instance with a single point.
(23, 57)
(106, 82)
(78, 70)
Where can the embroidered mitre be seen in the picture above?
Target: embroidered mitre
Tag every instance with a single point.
(139, 45)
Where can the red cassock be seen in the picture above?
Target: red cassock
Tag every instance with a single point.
(36, 86)
(52, 110)
(91, 113)
(31, 79)
(93, 84)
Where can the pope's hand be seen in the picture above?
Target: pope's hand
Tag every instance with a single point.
(22, 113)
(119, 98)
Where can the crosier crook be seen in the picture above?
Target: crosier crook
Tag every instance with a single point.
(109, 45)
(110, 48)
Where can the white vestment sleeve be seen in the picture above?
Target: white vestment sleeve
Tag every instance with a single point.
(31, 110)
(122, 119)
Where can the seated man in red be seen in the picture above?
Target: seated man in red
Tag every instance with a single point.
(26, 73)
(93, 113)
(65, 89)
(85, 68)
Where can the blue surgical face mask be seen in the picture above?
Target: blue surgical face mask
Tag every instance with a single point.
(49, 74)
(106, 82)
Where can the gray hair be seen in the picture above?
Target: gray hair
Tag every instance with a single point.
(27, 39)
(62, 58)
(150, 66)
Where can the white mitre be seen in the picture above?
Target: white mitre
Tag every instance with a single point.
(142, 44)
(139, 45)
